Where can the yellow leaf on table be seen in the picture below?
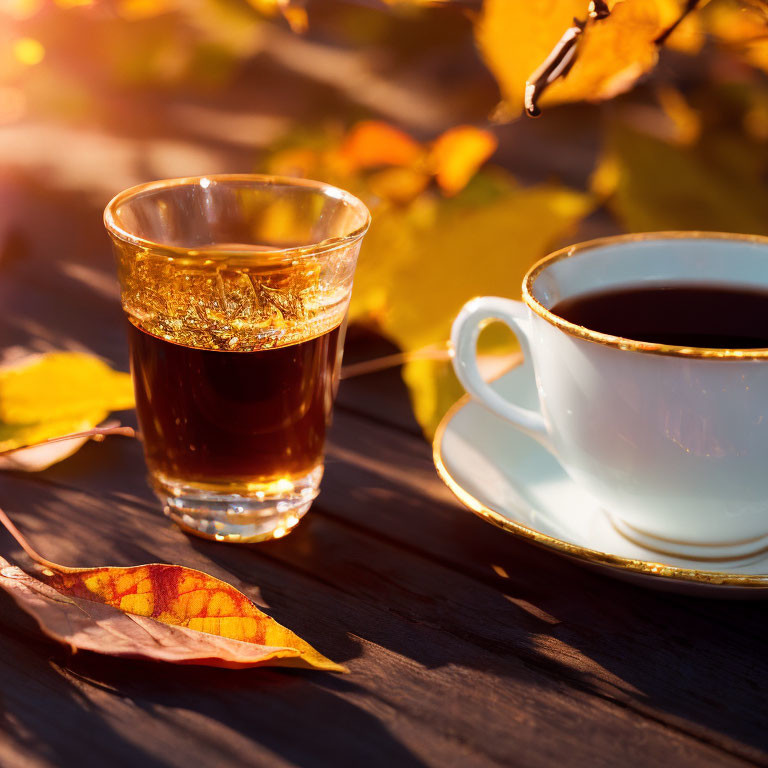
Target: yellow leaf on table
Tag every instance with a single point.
(183, 597)
(515, 38)
(717, 184)
(55, 394)
(419, 265)
(158, 612)
(457, 155)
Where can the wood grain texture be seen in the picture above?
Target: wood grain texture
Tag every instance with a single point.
(467, 647)
(447, 655)
(669, 657)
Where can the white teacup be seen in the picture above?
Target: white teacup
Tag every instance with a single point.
(671, 441)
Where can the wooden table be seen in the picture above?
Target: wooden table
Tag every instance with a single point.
(466, 646)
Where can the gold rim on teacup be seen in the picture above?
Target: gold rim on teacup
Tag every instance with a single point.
(630, 344)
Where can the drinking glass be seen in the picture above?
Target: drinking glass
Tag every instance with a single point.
(236, 289)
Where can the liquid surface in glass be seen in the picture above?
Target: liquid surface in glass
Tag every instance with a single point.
(222, 420)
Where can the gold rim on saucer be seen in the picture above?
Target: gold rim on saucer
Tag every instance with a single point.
(592, 556)
(618, 341)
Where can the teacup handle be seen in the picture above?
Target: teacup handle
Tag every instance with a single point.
(471, 320)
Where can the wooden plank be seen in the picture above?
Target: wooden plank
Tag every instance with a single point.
(689, 662)
(85, 710)
(382, 396)
(442, 654)
(654, 656)
(659, 656)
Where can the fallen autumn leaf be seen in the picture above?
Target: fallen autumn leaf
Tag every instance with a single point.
(55, 394)
(156, 612)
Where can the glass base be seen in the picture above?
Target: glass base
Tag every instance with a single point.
(239, 513)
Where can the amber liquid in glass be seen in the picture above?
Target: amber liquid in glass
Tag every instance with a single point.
(233, 421)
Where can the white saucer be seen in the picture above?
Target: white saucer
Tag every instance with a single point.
(509, 480)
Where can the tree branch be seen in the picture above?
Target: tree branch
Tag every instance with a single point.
(558, 64)
(690, 6)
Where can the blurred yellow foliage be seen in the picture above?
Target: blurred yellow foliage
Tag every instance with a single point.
(135, 10)
(373, 143)
(431, 247)
(716, 184)
(66, 4)
(685, 121)
(742, 29)
(294, 14)
(690, 34)
(377, 158)
(458, 153)
(612, 53)
(419, 265)
(398, 185)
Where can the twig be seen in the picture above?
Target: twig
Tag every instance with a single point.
(97, 434)
(432, 352)
(563, 56)
(25, 545)
(690, 6)
(557, 65)
(598, 9)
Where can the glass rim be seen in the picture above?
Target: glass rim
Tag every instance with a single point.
(620, 342)
(116, 230)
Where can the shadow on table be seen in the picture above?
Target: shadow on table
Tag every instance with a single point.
(697, 664)
(87, 710)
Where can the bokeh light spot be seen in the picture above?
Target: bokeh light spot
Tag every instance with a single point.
(21, 9)
(28, 51)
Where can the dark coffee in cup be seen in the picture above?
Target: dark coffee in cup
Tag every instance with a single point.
(683, 315)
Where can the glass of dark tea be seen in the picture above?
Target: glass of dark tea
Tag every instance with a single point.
(236, 290)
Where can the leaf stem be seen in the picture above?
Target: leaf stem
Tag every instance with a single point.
(25, 545)
(97, 433)
(431, 352)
